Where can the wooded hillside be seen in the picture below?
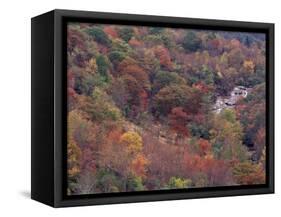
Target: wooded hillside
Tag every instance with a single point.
(141, 108)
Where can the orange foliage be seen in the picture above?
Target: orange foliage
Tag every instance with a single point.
(137, 72)
(114, 135)
(127, 61)
(139, 165)
(151, 139)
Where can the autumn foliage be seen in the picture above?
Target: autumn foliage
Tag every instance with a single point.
(141, 109)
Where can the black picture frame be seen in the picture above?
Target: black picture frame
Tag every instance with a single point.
(48, 148)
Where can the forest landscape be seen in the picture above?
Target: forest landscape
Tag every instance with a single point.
(157, 108)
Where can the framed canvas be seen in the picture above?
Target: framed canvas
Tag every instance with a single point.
(134, 108)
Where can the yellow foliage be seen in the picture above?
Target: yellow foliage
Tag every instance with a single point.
(209, 156)
(73, 171)
(175, 182)
(73, 156)
(249, 66)
(133, 141)
(92, 66)
(247, 173)
(224, 59)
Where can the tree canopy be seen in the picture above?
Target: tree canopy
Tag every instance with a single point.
(151, 108)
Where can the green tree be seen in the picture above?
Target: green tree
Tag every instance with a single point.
(252, 115)
(73, 150)
(191, 42)
(80, 130)
(103, 66)
(155, 30)
(107, 181)
(84, 83)
(134, 183)
(126, 33)
(103, 108)
(170, 97)
(226, 135)
(99, 36)
(116, 57)
(164, 78)
(176, 182)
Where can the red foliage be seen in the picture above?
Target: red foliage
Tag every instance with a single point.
(204, 146)
(177, 120)
(137, 72)
(135, 43)
(71, 92)
(70, 79)
(198, 118)
(201, 86)
(103, 49)
(260, 140)
(72, 98)
(195, 102)
(143, 100)
(109, 30)
(238, 109)
(181, 103)
(165, 160)
(191, 163)
(164, 57)
(215, 170)
(87, 161)
(214, 44)
(260, 136)
(131, 84)
(135, 84)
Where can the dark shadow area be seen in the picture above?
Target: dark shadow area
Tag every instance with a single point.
(25, 194)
